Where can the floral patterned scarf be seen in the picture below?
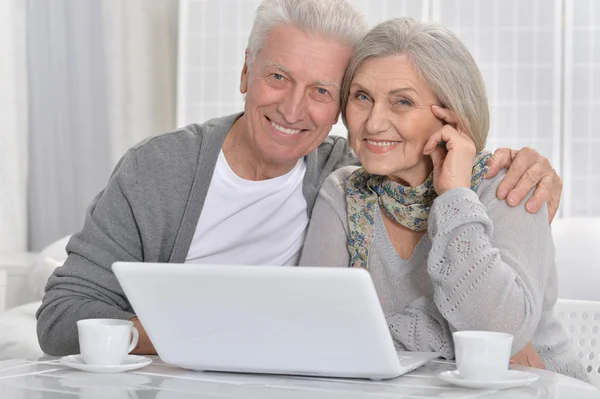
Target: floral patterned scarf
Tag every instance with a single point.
(408, 206)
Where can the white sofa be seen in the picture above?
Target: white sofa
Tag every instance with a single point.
(13, 268)
(577, 246)
(27, 274)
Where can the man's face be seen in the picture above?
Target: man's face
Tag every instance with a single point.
(292, 93)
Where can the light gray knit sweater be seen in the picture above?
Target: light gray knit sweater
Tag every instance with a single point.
(481, 266)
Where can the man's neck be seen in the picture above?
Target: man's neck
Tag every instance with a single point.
(244, 158)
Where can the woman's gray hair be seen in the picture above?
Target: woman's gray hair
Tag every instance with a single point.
(332, 19)
(441, 59)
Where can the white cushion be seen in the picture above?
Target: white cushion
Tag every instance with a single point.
(577, 245)
(18, 336)
(49, 258)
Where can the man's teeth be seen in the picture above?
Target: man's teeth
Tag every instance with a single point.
(285, 130)
(382, 143)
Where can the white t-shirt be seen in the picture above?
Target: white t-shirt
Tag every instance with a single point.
(251, 222)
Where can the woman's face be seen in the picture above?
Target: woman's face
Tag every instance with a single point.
(390, 119)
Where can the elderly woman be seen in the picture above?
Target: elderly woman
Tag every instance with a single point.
(444, 253)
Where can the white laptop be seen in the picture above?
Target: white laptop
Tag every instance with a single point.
(312, 321)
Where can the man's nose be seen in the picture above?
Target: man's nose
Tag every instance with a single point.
(292, 106)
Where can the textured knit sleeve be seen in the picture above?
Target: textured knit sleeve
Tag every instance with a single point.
(326, 239)
(489, 262)
(85, 287)
(421, 328)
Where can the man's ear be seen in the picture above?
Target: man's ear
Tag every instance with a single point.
(244, 75)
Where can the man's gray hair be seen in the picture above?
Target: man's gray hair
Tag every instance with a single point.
(331, 19)
(442, 60)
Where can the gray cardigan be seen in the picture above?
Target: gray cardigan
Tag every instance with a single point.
(482, 265)
(148, 212)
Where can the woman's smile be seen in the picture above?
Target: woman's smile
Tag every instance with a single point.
(381, 146)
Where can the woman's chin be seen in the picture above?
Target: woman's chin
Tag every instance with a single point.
(378, 164)
(378, 170)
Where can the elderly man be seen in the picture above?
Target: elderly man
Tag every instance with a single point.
(236, 189)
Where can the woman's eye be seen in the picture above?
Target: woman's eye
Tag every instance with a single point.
(361, 97)
(404, 101)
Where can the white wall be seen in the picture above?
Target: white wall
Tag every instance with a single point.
(540, 60)
(581, 123)
(13, 128)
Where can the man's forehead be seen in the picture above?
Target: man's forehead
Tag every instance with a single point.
(303, 54)
(274, 64)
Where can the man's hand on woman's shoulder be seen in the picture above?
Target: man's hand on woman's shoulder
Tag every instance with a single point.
(526, 169)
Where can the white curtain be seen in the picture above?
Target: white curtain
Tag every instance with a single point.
(101, 78)
(140, 38)
(13, 127)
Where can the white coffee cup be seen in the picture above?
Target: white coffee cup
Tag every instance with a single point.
(106, 342)
(482, 355)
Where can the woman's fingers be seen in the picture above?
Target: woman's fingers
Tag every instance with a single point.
(448, 135)
(437, 157)
(446, 116)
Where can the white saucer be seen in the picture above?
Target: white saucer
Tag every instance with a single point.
(512, 379)
(131, 362)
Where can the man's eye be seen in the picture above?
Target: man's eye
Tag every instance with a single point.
(278, 76)
(323, 91)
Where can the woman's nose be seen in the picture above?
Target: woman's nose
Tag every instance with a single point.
(378, 119)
